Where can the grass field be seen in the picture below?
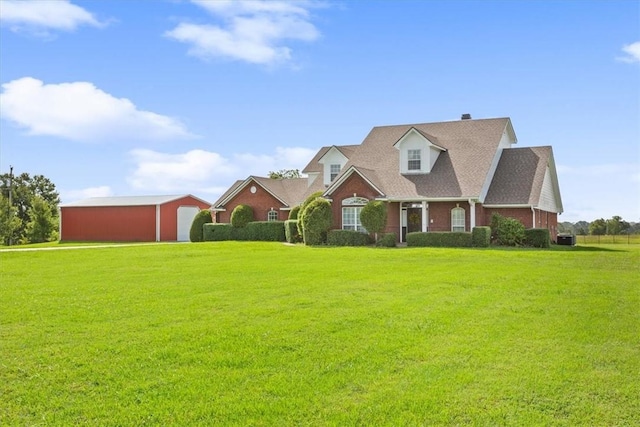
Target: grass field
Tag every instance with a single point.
(269, 334)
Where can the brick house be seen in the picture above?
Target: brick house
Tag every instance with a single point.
(445, 176)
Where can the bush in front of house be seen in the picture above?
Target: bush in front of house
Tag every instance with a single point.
(261, 231)
(537, 237)
(291, 231)
(293, 213)
(373, 216)
(440, 239)
(264, 231)
(303, 206)
(388, 240)
(481, 237)
(507, 231)
(241, 216)
(316, 221)
(347, 238)
(216, 232)
(195, 232)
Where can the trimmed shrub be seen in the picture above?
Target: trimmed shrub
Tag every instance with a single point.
(264, 231)
(440, 239)
(387, 241)
(291, 231)
(373, 216)
(241, 216)
(481, 237)
(303, 206)
(293, 213)
(195, 232)
(507, 231)
(216, 232)
(317, 220)
(537, 237)
(347, 238)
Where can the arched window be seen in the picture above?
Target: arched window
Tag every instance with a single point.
(272, 215)
(457, 219)
(351, 209)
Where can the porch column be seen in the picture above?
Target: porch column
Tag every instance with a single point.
(425, 205)
(472, 214)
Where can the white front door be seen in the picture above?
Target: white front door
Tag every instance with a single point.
(185, 218)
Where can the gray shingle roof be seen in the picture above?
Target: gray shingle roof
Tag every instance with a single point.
(459, 172)
(315, 166)
(519, 176)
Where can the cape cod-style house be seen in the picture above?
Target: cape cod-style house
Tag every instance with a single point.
(445, 176)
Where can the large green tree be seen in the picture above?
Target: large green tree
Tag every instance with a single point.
(42, 223)
(9, 220)
(24, 189)
(616, 225)
(598, 227)
(285, 174)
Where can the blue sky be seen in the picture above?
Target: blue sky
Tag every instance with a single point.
(169, 97)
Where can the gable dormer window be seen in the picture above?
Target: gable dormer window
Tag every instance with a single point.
(414, 160)
(335, 170)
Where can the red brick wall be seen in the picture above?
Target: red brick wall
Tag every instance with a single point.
(544, 219)
(261, 202)
(393, 219)
(353, 184)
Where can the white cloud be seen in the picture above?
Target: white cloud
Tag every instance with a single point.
(39, 16)
(73, 195)
(632, 52)
(253, 31)
(80, 111)
(200, 171)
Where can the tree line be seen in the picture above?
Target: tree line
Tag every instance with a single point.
(613, 226)
(28, 209)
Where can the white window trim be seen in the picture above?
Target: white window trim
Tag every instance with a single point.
(458, 224)
(272, 215)
(334, 171)
(352, 207)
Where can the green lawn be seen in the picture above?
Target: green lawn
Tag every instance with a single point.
(269, 334)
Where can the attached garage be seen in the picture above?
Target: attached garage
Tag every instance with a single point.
(130, 219)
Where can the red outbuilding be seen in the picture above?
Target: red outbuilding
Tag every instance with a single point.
(130, 219)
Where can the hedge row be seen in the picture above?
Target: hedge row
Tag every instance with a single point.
(266, 231)
(387, 241)
(439, 239)
(481, 237)
(347, 238)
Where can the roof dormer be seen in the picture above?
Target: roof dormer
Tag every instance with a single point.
(332, 163)
(418, 152)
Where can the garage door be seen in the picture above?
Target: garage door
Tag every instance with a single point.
(185, 218)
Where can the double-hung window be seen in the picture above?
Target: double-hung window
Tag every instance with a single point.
(457, 219)
(351, 209)
(414, 160)
(335, 170)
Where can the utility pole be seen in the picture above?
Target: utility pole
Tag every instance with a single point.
(10, 191)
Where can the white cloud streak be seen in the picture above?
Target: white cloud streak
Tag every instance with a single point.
(80, 111)
(253, 31)
(201, 171)
(632, 53)
(39, 16)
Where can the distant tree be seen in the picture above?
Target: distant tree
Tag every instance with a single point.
(42, 223)
(616, 225)
(9, 220)
(581, 228)
(566, 228)
(634, 228)
(24, 188)
(598, 227)
(285, 174)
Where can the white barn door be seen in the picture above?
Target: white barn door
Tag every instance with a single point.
(185, 218)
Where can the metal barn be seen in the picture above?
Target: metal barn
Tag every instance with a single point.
(130, 219)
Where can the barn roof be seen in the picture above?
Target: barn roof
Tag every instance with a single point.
(128, 201)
